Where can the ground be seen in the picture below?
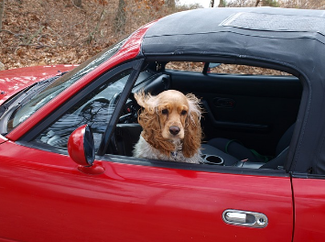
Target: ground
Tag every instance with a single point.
(45, 32)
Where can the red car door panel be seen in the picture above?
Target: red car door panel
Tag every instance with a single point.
(45, 194)
(309, 197)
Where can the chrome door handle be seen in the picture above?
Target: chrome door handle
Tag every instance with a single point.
(245, 218)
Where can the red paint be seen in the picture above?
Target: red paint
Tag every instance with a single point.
(96, 168)
(309, 196)
(82, 155)
(47, 198)
(128, 51)
(14, 80)
(76, 146)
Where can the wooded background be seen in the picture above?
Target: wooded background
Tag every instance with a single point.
(48, 32)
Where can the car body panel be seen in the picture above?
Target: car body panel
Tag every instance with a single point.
(14, 80)
(132, 202)
(309, 197)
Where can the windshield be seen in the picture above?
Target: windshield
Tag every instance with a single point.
(26, 108)
(94, 109)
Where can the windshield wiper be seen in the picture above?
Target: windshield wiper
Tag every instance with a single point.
(17, 100)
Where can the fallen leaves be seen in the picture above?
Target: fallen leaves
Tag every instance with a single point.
(45, 32)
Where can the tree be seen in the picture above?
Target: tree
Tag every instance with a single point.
(271, 3)
(119, 22)
(211, 3)
(2, 7)
(222, 3)
(170, 3)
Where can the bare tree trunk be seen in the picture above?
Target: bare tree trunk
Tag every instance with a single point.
(221, 4)
(211, 3)
(257, 3)
(170, 4)
(2, 8)
(271, 3)
(119, 23)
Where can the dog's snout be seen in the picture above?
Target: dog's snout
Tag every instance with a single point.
(174, 130)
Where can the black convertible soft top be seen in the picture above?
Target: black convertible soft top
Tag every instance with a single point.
(288, 39)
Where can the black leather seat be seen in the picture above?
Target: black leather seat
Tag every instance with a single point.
(127, 135)
(240, 152)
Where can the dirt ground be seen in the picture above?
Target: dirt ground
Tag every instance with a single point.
(46, 32)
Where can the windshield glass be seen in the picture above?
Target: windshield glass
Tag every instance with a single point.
(27, 108)
(94, 109)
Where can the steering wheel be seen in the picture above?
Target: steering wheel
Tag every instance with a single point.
(129, 113)
(95, 114)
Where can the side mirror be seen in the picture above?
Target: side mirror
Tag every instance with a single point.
(81, 146)
(82, 151)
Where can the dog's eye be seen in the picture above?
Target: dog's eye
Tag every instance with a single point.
(164, 111)
(184, 112)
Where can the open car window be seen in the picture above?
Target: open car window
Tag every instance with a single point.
(192, 66)
(249, 107)
(222, 68)
(251, 111)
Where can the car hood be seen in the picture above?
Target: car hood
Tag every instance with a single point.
(14, 80)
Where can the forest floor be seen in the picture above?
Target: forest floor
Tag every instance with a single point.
(48, 32)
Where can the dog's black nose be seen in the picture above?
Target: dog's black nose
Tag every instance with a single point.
(174, 130)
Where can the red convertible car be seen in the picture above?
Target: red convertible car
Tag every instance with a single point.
(67, 172)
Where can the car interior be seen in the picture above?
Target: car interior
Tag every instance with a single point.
(248, 117)
(248, 112)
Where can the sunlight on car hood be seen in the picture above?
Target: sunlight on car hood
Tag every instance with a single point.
(14, 80)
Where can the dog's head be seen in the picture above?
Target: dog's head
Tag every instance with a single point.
(169, 118)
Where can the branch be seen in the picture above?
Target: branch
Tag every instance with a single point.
(29, 41)
(12, 33)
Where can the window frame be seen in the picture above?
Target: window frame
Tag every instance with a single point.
(28, 138)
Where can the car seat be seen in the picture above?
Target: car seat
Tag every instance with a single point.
(240, 152)
(126, 136)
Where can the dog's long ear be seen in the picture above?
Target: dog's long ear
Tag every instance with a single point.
(149, 120)
(146, 101)
(193, 131)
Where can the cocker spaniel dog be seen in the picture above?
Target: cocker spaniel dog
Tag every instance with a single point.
(171, 127)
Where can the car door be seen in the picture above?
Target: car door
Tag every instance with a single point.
(177, 204)
(45, 196)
